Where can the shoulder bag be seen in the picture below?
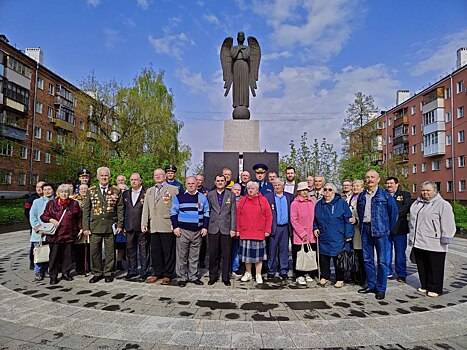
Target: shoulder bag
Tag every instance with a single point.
(306, 261)
(49, 229)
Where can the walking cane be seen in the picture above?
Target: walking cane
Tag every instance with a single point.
(317, 258)
(86, 240)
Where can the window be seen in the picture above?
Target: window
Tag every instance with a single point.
(6, 149)
(414, 149)
(48, 136)
(81, 125)
(50, 112)
(51, 89)
(435, 165)
(460, 112)
(39, 107)
(23, 152)
(22, 179)
(460, 86)
(448, 163)
(414, 188)
(461, 161)
(16, 93)
(423, 167)
(5, 177)
(449, 186)
(429, 118)
(448, 116)
(414, 169)
(47, 158)
(412, 110)
(438, 186)
(414, 129)
(460, 136)
(431, 139)
(462, 186)
(37, 132)
(389, 122)
(36, 155)
(448, 139)
(40, 83)
(447, 93)
(18, 67)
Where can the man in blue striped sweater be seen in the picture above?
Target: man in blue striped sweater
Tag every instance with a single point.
(190, 218)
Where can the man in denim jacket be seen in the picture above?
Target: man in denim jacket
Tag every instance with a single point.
(377, 214)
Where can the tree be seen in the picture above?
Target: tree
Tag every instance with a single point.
(318, 158)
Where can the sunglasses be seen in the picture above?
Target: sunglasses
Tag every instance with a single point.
(327, 189)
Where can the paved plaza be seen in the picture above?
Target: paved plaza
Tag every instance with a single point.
(131, 315)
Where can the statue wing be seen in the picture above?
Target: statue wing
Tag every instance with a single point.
(255, 58)
(226, 62)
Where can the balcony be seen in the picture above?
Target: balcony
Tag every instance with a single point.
(17, 106)
(60, 101)
(91, 135)
(434, 127)
(433, 104)
(434, 150)
(401, 139)
(59, 123)
(17, 78)
(12, 132)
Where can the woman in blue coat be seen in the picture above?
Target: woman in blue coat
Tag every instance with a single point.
(332, 226)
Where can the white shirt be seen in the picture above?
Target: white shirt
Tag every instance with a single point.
(289, 187)
(135, 195)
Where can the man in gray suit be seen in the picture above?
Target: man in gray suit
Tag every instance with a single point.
(156, 219)
(221, 229)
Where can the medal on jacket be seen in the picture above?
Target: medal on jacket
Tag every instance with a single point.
(272, 206)
(166, 197)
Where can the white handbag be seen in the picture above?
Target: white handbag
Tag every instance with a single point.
(306, 261)
(47, 228)
(41, 253)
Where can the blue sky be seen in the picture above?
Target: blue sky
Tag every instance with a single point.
(316, 54)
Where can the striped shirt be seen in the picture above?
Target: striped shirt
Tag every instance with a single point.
(190, 211)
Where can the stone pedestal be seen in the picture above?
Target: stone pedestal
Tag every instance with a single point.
(241, 136)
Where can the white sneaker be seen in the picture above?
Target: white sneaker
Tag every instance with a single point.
(246, 277)
(236, 275)
(421, 290)
(259, 279)
(432, 294)
(308, 278)
(301, 281)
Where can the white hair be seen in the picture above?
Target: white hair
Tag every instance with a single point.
(101, 169)
(65, 188)
(330, 184)
(430, 183)
(280, 181)
(252, 184)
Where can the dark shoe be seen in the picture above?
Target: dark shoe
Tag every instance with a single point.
(366, 290)
(108, 279)
(211, 282)
(130, 276)
(380, 295)
(95, 279)
(38, 277)
(67, 277)
(165, 281)
(202, 265)
(284, 276)
(391, 277)
(53, 280)
(401, 279)
(181, 283)
(227, 283)
(198, 282)
(270, 276)
(119, 266)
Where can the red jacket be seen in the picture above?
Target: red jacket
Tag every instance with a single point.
(67, 231)
(254, 217)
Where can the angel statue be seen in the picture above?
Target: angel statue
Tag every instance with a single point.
(240, 66)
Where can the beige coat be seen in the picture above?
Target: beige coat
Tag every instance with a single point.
(156, 208)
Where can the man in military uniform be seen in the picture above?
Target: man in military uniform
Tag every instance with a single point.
(170, 172)
(83, 178)
(102, 209)
(264, 185)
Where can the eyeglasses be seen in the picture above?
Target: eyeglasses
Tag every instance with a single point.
(327, 189)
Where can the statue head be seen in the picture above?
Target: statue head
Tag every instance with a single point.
(240, 38)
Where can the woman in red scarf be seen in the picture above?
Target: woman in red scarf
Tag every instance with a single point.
(66, 233)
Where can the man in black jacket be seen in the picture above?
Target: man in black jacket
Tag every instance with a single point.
(137, 241)
(398, 237)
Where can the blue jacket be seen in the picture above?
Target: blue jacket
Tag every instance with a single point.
(332, 220)
(37, 209)
(384, 212)
(272, 202)
(265, 187)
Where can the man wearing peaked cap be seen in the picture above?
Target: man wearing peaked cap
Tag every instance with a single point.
(84, 176)
(170, 172)
(260, 172)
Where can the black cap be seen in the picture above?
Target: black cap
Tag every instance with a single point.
(171, 167)
(260, 168)
(83, 171)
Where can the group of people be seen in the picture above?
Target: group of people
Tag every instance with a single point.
(245, 229)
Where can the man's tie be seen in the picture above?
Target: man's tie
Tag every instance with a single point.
(104, 191)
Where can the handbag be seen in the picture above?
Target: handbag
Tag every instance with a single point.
(49, 229)
(306, 261)
(41, 253)
(346, 259)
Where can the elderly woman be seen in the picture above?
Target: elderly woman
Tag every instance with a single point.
(236, 190)
(302, 213)
(68, 210)
(432, 228)
(332, 226)
(359, 275)
(81, 255)
(254, 222)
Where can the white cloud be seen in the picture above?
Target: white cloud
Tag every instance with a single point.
(143, 4)
(171, 44)
(93, 3)
(112, 38)
(211, 19)
(276, 55)
(440, 55)
(321, 27)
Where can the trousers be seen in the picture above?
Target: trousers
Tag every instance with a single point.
(137, 251)
(219, 255)
(398, 248)
(188, 246)
(278, 253)
(430, 267)
(60, 258)
(97, 266)
(163, 255)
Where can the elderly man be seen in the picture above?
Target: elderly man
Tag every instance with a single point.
(347, 190)
(83, 178)
(190, 218)
(377, 214)
(260, 172)
(156, 218)
(222, 227)
(245, 177)
(290, 185)
(278, 250)
(318, 184)
(102, 209)
(137, 241)
(200, 184)
(227, 172)
(121, 183)
(170, 172)
(272, 176)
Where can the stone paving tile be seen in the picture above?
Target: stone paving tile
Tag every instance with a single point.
(267, 327)
(309, 341)
(247, 340)
(186, 338)
(75, 341)
(216, 340)
(277, 341)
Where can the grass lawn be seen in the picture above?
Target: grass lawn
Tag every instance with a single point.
(11, 211)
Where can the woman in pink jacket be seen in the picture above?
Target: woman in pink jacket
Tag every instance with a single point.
(302, 213)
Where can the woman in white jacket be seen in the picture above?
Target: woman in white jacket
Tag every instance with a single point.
(432, 228)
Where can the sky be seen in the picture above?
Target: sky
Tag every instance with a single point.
(316, 54)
